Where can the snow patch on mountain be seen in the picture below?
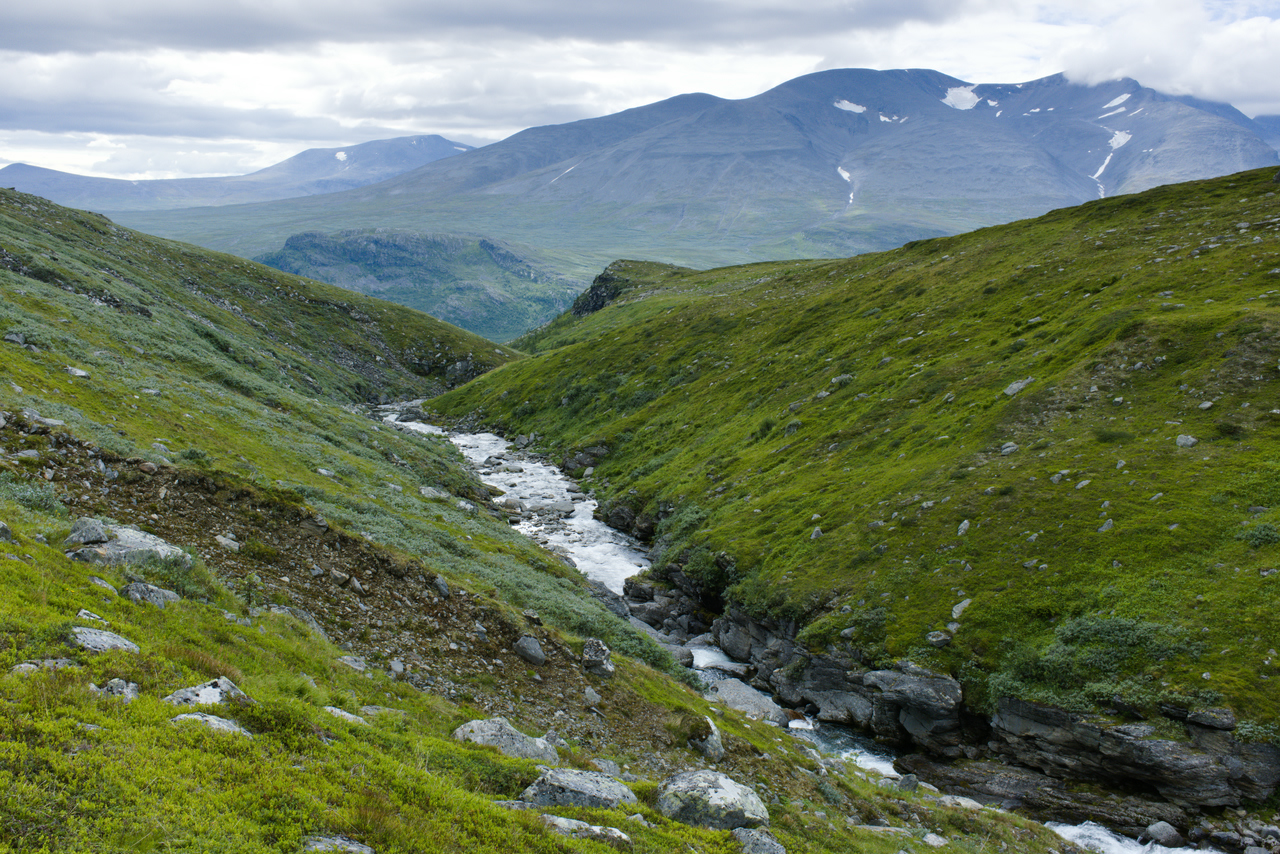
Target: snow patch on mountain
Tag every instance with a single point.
(961, 98)
(1112, 113)
(885, 118)
(844, 174)
(850, 106)
(1119, 138)
(1103, 167)
(340, 155)
(991, 103)
(1116, 101)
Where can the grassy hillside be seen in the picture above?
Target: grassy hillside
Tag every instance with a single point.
(843, 443)
(214, 401)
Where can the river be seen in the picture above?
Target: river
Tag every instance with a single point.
(610, 557)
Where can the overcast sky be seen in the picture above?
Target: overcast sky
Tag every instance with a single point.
(157, 88)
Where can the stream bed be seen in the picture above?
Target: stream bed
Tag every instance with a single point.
(559, 516)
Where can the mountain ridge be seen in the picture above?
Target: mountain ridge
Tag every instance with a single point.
(315, 171)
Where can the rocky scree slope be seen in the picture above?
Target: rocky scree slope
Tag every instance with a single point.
(1035, 460)
(299, 524)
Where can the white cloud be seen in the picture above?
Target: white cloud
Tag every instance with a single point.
(200, 86)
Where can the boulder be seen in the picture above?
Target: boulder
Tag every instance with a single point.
(216, 692)
(1163, 833)
(343, 714)
(335, 843)
(141, 593)
(213, 722)
(6, 535)
(712, 800)
(119, 688)
(927, 706)
(128, 545)
(582, 830)
(86, 531)
(573, 788)
(100, 640)
(530, 650)
(708, 742)
(755, 841)
(597, 659)
(499, 733)
(738, 695)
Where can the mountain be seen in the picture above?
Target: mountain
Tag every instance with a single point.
(1038, 457)
(313, 172)
(1270, 129)
(831, 163)
(350, 590)
(493, 289)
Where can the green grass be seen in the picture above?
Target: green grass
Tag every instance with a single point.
(868, 392)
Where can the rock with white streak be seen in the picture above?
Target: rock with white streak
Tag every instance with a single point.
(220, 691)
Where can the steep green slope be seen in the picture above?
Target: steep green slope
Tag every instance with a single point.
(211, 400)
(491, 288)
(850, 444)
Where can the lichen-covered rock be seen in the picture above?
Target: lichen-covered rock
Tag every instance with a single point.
(582, 830)
(572, 788)
(129, 545)
(213, 722)
(100, 640)
(335, 843)
(711, 799)
(755, 841)
(86, 531)
(499, 733)
(118, 688)
(707, 741)
(597, 659)
(142, 593)
(220, 691)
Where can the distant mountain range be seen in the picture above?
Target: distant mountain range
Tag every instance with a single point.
(829, 164)
(314, 171)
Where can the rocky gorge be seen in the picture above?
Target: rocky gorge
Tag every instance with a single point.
(1184, 779)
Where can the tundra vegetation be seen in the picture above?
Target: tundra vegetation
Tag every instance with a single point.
(211, 396)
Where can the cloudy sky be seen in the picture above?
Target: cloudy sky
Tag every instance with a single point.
(157, 88)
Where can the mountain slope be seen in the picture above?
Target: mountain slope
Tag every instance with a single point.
(356, 582)
(992, 424)
(314, 171)
(494, 290)
(828, 164)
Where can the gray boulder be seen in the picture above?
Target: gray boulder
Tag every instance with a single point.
(499, 733)
(213, 722)
(597, 659)
(86, 531)
(335, 843)
(530, 650)
(757, 841)
(740, 696)
(129, 545)
(5, 534)
(100, 640)
(141, 593)
(1163, 833)
(711, 799)
(220, 691)
(126, 691)
(710, 744)
(572, 788)
(581, 830)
